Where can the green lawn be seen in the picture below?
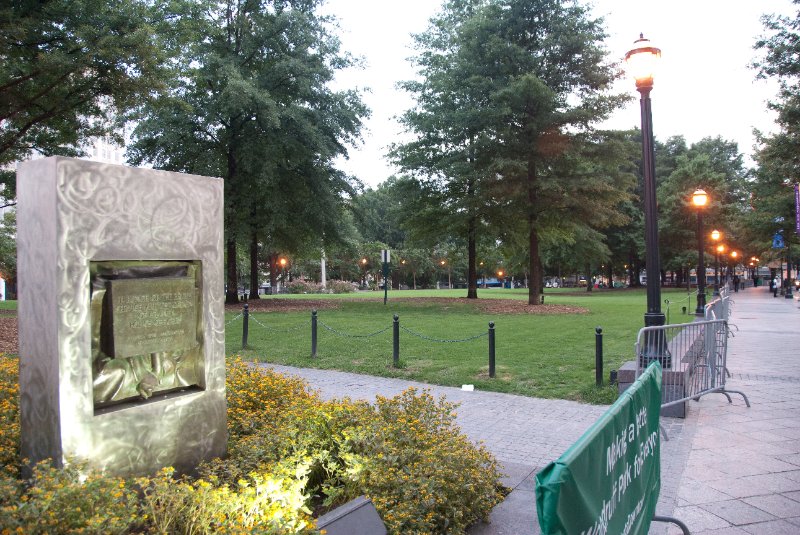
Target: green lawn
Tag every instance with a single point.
(536, 355)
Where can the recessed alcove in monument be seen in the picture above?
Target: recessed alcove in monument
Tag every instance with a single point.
(147, 331)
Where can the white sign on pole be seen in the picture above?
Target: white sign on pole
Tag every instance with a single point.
(385, 255)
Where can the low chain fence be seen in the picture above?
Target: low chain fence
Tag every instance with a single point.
(316, 323)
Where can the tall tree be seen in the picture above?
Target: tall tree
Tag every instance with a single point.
(555, 86)
(8, 251)
(251, 104)
(452, 97)
(509, 91)
(68, 68)
(779, 156)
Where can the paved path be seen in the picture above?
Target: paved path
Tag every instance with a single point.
(726, 469)
(742, 475)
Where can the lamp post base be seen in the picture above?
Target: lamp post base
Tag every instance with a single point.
(655, 344)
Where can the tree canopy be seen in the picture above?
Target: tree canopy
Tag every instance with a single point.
(252, 105)
(68, 68)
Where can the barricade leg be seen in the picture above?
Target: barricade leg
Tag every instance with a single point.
(675, 521)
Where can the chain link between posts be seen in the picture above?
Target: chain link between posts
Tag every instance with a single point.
(339, 333)
(441, 340)
(289, 330)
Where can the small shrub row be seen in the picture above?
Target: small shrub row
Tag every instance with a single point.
(290, 454)
(309, 287)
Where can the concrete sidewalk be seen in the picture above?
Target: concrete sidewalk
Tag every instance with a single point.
(726, 469)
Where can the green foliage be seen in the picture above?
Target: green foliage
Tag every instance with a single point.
(288, 451)
(779, 154)
(70, 500)
(251, 103)
(303, 287)
(68, 67)
(340, 287)
(504, 138)
(423, 474)
(8, 246)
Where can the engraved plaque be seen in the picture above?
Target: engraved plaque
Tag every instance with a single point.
(151, 315)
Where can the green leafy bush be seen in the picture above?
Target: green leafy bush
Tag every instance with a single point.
(341, 287)
(289, 453)
(303, 287)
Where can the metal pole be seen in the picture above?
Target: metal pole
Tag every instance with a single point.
(246, 316)
(716, 273)
(701, 266)
(598, 356)
(491, 349)
(396, 341)
(385, 282)
(654, 345)
(788, 294)
(313, 333)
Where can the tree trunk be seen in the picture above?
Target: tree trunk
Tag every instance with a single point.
(535, 264)
(232, 291)
(253, 266)
(472, 272)
(589, 284)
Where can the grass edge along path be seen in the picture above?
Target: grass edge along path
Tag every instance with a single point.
(539, 352)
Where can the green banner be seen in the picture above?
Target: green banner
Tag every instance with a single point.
(608, 481)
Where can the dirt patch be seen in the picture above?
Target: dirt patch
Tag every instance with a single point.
(497, 306)
(285, 305)
(510, 306)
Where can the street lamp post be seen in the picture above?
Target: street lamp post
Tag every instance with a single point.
(282, 262)
(641, 62)
(715, 237)
(700, 199)
(364, 265)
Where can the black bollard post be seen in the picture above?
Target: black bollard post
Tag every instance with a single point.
(246, 315)
(313, 333)
(491, 349)
(598, 356)
(396, 341)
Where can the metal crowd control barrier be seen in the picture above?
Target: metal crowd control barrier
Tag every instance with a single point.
(719, 308)
(693, 357)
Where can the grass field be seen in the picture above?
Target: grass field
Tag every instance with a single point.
(542, 355)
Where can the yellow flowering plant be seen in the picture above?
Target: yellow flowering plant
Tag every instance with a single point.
(290, 455)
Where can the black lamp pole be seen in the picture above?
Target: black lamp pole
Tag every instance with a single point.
(653, 316)
(641, 61)
(701, 266)
(716, 272)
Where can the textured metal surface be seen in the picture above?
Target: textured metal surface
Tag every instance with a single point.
(71, 213)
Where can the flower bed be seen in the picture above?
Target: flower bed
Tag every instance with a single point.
(290, 455)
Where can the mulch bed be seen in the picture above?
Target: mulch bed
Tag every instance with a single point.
(285, 305)
(8, 333)
(498, 306)
(490, 306)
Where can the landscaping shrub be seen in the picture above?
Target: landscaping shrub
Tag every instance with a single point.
(303, 287)
(341, 287)
(289, 453)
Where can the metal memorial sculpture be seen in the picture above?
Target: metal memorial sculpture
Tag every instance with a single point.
(121, 316)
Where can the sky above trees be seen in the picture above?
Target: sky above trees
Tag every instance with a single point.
(705, 87)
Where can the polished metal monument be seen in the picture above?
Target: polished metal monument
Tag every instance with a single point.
(121, 316)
